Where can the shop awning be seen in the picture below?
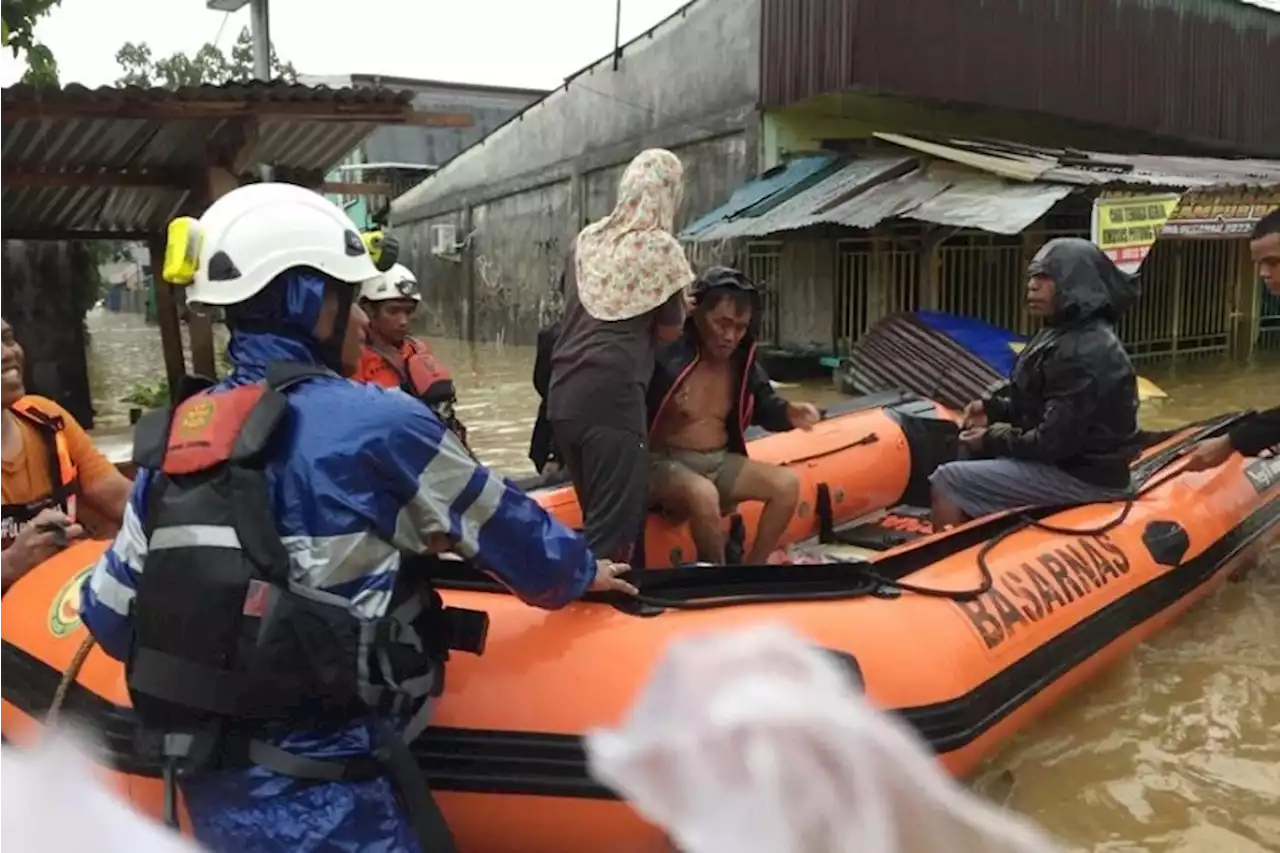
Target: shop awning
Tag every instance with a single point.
(866, 192)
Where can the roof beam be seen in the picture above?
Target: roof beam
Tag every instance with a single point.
(339, 188)
(146, 110)
(175, 181)
(242, 157)
(74, 234)
(423, 118)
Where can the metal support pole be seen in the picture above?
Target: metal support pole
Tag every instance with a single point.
(260, 27)
(617, 34)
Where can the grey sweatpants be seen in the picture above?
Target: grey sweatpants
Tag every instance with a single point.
(982, 486)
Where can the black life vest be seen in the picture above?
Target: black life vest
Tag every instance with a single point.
(63, 475)
(225, 651)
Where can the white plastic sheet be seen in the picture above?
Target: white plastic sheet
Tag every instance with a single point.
(53, 801)
(754, 741)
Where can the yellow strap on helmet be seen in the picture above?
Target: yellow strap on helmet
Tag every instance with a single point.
(182, 251)
(384, 249)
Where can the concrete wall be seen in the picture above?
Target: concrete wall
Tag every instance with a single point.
(45, 286)
(521, 195)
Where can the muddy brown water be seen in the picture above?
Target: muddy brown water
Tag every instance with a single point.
(1176, 750)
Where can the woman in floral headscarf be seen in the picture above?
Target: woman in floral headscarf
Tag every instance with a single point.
(625, 277)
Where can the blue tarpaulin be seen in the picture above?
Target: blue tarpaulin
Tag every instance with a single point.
(996, 346)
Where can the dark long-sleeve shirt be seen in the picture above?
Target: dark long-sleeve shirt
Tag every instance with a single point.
(1257, 432)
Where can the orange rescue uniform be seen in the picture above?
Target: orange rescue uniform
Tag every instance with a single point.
(57, 458)
(415, 370)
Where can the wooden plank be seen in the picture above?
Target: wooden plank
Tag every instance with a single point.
(176, 181)
(420, 118)
(339, 188)
(200, 323)
(175, 363)
(59, 233)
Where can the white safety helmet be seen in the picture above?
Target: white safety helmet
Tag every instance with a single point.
(399, 282)
(254, 233)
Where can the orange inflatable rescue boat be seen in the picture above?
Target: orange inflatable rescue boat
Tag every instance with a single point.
(858, 450)
(968, 634)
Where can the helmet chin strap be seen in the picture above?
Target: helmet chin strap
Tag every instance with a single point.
(331, 345)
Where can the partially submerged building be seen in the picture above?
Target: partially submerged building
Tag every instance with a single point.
(799, 89)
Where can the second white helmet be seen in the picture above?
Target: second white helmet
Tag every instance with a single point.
(399, 282)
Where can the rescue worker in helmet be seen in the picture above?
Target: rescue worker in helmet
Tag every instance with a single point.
(269, 588)
(395, 359)
(54, 477)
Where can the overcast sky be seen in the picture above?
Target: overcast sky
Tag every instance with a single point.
(534, 43)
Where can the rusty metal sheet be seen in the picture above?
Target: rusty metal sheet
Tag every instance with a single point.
(901, 352)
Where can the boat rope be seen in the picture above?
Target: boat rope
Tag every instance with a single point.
(865, 580)
(1163, 463)
(69, 677)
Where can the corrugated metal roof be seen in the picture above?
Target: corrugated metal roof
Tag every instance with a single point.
(988, 205)
(1094, 168)
(863, 194)
(886, 201)
(999, 187)
(754, 196)
(901, 352)
(143, 152)
(809, 205)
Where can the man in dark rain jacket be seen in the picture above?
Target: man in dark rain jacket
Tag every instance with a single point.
(1260, 430)
(1065, 427)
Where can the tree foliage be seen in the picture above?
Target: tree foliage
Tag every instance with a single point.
(208, 65)
(20, 18)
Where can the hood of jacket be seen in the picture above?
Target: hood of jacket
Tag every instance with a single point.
(278, 324)
(1085, 281)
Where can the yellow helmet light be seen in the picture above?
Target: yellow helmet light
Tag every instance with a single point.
(384, 249)
(182, 251)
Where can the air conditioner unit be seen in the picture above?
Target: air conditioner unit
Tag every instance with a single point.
(444, 239)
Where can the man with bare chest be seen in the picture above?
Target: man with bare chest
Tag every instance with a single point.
(706, 390)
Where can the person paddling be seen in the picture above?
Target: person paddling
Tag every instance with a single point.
(1259, 430)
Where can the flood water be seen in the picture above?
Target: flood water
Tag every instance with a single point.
(1177, 750)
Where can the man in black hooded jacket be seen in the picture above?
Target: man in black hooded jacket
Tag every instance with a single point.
(1064, 429)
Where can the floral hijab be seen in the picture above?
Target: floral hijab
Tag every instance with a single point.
(629, 262)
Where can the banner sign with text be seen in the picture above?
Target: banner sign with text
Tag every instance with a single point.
(1126, 225)
(1220, 214)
